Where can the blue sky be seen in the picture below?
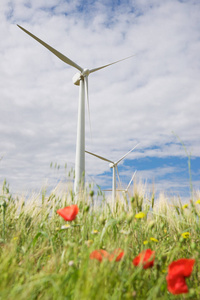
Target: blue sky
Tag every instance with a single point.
(141, 100)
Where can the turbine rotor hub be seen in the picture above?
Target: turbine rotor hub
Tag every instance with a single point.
(85, 72)
(111, 165)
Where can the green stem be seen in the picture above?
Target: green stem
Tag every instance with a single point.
(189, 164)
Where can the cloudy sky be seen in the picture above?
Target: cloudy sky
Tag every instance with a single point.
(152, 98)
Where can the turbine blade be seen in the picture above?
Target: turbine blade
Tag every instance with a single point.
(131, 180)
(97, 69)
(118, 176)
(126, 154)
(87, 97)
(117, 190)
(54, 51)
(103, 158)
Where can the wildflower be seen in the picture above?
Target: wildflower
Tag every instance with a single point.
(177, 272)
(140, 215)
(198, 201)
(86, 208)
(91, 193)
(117, 255)
(185, 235)
(95, 231)
(70, 263)
(89, 242)
(153, 239)
(69, 212)
(145, 259)
(185, 206)
(145, 242)
(99, 254)
(66, 226)
(125, 232)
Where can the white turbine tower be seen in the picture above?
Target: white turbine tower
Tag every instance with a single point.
(113, 165)
(81, 79)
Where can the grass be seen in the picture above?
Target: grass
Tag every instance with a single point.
(39, 260)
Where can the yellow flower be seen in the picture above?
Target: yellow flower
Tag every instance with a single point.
(145, 242)
(15, 238)
(95, 231)
(198, 201)
(140, 215)
(153, 240)
(185, 206)
(185, 235)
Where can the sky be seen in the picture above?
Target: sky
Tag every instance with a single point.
(151, 99)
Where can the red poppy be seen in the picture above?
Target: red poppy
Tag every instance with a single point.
(145, 258)
(69, 212)
(99, 254)
(116, 255)
(177, 272)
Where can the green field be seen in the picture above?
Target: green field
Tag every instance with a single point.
(43, 259)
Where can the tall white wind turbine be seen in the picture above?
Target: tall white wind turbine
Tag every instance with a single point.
(113, 165)
(81, 79)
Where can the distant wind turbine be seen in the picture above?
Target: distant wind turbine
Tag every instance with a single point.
(126, 189)
(113, 165)
(81, 79)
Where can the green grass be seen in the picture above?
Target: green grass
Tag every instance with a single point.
(39, 260)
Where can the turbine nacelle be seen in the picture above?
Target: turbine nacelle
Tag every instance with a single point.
(76, 78)
(111, 165)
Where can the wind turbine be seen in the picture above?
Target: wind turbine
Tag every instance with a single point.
(126, 189)
(113, 165)
(81, 79)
